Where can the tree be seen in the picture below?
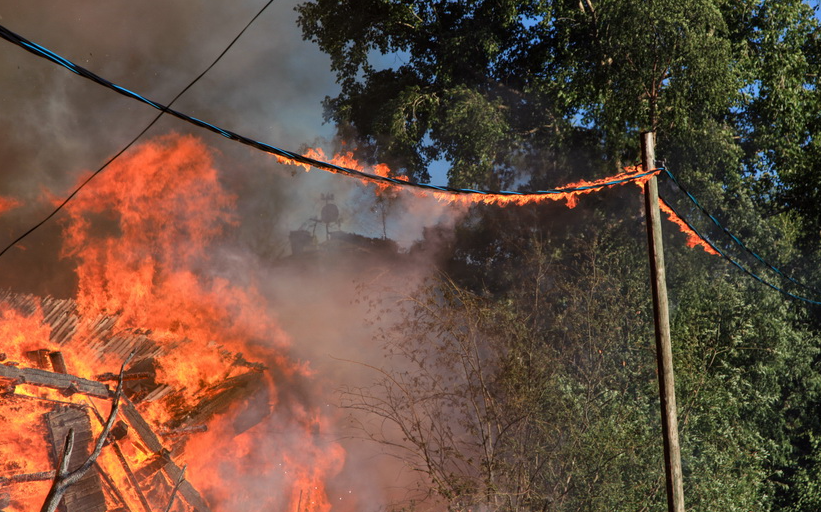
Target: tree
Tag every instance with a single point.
(538, 93)
(456, 402)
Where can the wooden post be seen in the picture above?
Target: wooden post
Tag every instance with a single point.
(664, 350)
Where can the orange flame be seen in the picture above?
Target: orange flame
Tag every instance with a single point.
(347, 160)
(571, 198)
(141, 236)
(693, 240)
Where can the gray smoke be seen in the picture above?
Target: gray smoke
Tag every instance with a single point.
(58, 127)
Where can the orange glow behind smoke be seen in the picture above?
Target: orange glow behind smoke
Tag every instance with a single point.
(7, 203)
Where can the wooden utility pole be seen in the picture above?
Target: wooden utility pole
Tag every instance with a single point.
(664, 349)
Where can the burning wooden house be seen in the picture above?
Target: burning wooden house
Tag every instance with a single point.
(40, 391)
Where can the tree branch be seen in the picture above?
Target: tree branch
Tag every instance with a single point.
(65, 478)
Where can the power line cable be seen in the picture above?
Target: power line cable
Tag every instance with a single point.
(163, 109)
(296, 157)
(735, 239)
(300, 159)
(736, 263)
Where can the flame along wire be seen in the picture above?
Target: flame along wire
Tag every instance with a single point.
(6, 34)
(738, 265)
(294, 157)
(297, 158)
(735, 238)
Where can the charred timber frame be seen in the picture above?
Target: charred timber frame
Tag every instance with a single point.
(71, 384)
(63, 382)
(152, 442)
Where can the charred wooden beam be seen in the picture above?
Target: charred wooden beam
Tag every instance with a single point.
(141, 427)
(124, 463)
(131, 477)
(39, 358)
(221, 397)
(184, 431)
(27, 477)
(152, 442)
(58, 363)
(188, 492)
(108, 376)
(10, 391)
(154, 465)
(112, 487)
(66, 383)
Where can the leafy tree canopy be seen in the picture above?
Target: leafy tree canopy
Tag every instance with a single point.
(503, 88)
(535, 93)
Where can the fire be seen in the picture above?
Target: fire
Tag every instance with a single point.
(141, 235)
(23, 450)
(571, 198)
(631, 174)
(346, 159)
(693, 240)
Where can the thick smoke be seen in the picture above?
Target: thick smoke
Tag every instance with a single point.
(58, 127)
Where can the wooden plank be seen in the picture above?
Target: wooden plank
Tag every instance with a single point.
(58, 363)
(87, 494)
(112, 487)
(188, 492)
(154, 465)
(66, 383)
(152, 442)
(140, 426)
(64, 330)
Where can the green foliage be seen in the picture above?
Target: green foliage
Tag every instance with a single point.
(538, 93)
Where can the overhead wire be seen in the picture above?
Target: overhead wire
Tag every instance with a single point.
(734, 238)
(163, 109)
(735, 263)
(303, 160)
(291, 156)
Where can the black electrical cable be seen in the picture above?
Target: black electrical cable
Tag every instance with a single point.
(296, 158)
(737, 264)
(163, 110)
(736, 240)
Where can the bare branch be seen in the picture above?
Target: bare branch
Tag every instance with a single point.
(65, 479)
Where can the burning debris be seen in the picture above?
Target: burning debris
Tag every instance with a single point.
(151, 479)
(210, 366)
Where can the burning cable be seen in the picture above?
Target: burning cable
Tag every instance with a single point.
(442, 192)
(286, 156)
(734, 238)
(734, 262)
